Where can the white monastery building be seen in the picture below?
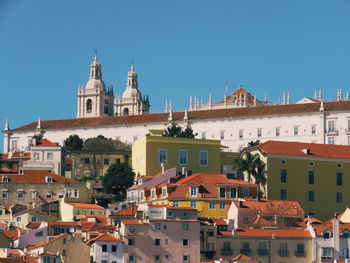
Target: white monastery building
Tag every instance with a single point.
(236, 120)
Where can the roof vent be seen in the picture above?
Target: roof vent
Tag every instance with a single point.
(306, 151)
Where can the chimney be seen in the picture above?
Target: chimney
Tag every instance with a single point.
(163, 167)
(183, 171)
(336, 238)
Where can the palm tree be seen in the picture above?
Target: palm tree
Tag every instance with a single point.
(253, 166)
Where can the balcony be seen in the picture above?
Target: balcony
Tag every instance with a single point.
(262, 252)
(40, 165)
(326, 259)
(226, 252)
(332, 132)
(246, 251)
(300, 253)
(283, 253)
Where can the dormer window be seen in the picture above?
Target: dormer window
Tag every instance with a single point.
(326, 235)
(5, 179)
(193, 191)
(49, 179)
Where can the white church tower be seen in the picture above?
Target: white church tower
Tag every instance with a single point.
(132, 102)
(95, 100)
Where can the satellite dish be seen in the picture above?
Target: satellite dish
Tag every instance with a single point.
(71, 230)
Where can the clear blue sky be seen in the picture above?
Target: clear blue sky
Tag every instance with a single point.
(180, 48)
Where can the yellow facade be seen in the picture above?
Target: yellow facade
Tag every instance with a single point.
(146, 153)
(321, 196)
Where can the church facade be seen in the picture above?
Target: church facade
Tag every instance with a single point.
(237, 120)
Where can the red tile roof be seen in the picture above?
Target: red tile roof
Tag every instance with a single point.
(129, 211)
(37, 177)
(131, 222)
(33, 225)
(272, 207)
(86, 206)
(87, 226)
(13, 234)
(106, 237)
(19, 154)
(60, 223)
(270, 232)
(220, 222)
(303, 108)
(45, 143)
(241, 257)
(47, 242)
(295, 149)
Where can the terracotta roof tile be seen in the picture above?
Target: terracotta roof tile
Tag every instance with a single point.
(241, 257)
(37, 177)
(61, 223)
(129, 211)
(131, 222)
(269, 232)
(295, 149)
(106, 237)
(303, 108)
(13, 234)
(48, 241)
(33, 225)
(45, 143)
(86, 206)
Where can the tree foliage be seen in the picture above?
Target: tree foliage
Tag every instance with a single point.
(176, 131)
(101, 143)
(73, 143)
(254, 143)
(117, 179)
(253, 166)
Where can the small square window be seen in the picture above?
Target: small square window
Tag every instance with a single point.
(105, 161)
(185, 242)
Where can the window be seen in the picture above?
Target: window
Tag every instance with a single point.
(204, 135)
(259, 133)
(49, 179)
(203, 158)
(277, 131)
(226, 245)
(105, 161)
(313, 129)
(48, 195)
(283, 176)
(166, 241)
(327, 254)
(131, 242)
(311, 196)
(331, 140)
(233, 192)
(283, 249)
(296, 130)
(39, 234)
(283, 194)
(175, 203)
(222, 135)
(185, 242)
(157, 226)
(89, 105)
(185, 226)
(157, 242)
(186, 258)
(131, 258)
(245, 191)
(339, 197)
(76, 193)
(211, 204)
(118, 160)
(153, 193)
(222, 192)
(326, 235)
(193, 191)
(162, 156)
(163, 192)
(222, 204)
(64, 253)
(5, 194)
(345, 253)
(170, 214)
(331, 126)
(47, 259)
(132, 229)
(36, 156)
(183, 157)
(49, 156)
(311, 177)
(64, 240)
(5, 179)
(300, 248)
(32, 194)
(85, 160)
(20, 194)
(193, 204)
(240, 134)
(157, 258)
(339, 179)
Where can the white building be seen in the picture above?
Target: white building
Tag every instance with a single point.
(237, 120)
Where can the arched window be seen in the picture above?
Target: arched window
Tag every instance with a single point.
(125, 112)
(106, 108)
(89, 105)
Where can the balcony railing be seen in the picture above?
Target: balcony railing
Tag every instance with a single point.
(326, 259)
(283, 253)
(300, 253)
(332, 132)
(38, 164)
(246, 251)
(226, 252)
(262, 252)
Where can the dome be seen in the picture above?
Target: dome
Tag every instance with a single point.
(95, 83)
(132, 93)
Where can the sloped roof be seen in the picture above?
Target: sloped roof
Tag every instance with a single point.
(128, 211)
(192, 115)
(295, 149)
(37, 177)
(241, 257)
(247, 232)
(48, 241)
(131, 222)
(85, 206)
(106, 237)
(45, 143)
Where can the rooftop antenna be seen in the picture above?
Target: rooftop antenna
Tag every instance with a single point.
(95, 58)
(226, 84)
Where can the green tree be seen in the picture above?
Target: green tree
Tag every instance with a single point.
(176, 131)
(73, 143)
(253, 166)
(101, 143)
(117, 179)
(254, 143)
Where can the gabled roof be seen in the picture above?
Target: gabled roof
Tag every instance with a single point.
(86, 206)
(271, 207)
(45, 143)
(106, 237)
(36, 177)
(131, 222)
(295, 149)
(12, 234)
(20, 155)
(48, 241)
(192, 115)
(128, 211)
(33, 225)
(241, 257)
(61, 223)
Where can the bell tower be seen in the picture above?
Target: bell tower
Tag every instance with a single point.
(95, 100)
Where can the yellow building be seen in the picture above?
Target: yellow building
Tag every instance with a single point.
(152, 151)
(210, 194)
(315, 175)
(69, 211)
